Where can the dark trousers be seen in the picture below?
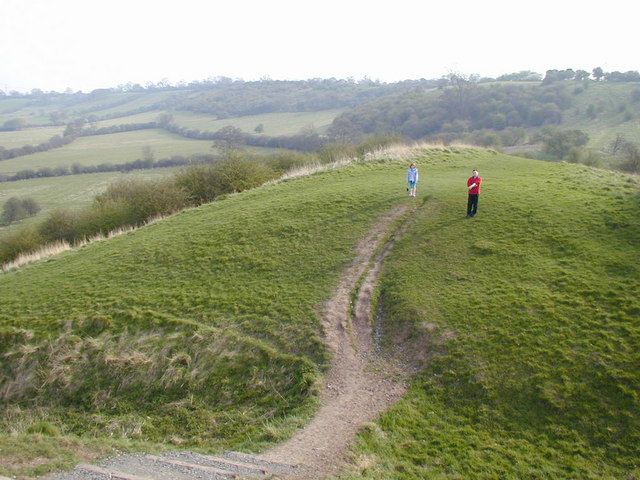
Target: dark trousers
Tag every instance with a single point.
(472, 204)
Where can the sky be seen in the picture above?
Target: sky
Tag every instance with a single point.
(88, 44)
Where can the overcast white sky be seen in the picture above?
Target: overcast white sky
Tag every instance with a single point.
(85, 44)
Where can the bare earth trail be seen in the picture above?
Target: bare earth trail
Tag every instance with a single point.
(358, 387)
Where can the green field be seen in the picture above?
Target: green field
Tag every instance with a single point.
(114, 148)
(73, 191)
(29, 136)
(282, 123)
(275, 124)
(145, 117)
(203, 331)
(138, 100)
(528, 317)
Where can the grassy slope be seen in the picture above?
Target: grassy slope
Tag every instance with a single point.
(29, 136)
(531, 318)
(528, 313)
(609, 98)
(282, 123)
(200, 330)
(114, 148)
(144, 117)
(74, 191)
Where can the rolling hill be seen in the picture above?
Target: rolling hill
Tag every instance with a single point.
(202, 331)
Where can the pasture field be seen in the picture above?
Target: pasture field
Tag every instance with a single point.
(146, 99)
(73, 191)
(145, 117)
(28, 136)
(527, 319)
(33, 117)
(202, 331)
(281, 123)
(114, 148)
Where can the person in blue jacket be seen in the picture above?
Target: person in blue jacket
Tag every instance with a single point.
(412, 179)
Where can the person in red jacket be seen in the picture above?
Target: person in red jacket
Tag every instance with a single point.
(473, 185)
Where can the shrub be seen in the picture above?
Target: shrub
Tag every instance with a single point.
(44, 428)
(286, 161)
(631, 158)
(197, 182)
(104, 217)
(23, 240)
(143, 200)
(203, 183)
(60, 225)
(236, 174)
(558, 143)
(513, 136)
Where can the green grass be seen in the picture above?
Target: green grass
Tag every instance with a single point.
(138, 100)
(145, 117)
(529, 318)
(73, 191)
(282, 123)
(113, 148)
(29, 136)
(201, 330)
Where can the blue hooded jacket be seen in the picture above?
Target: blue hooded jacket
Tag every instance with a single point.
(412, 174)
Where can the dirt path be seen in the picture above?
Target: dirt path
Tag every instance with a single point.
(358, 385)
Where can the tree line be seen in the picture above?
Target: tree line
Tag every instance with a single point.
(597, 74)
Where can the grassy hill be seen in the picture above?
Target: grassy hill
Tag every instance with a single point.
(528, 317)
(203, 330)
(614, 112)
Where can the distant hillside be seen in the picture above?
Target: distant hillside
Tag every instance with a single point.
(514, 111)
(222, 98)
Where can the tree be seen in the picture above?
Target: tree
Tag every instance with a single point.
(228, 138)
(14, 124)
(259, 128)
(581, 75)
(558, 143)
(462, 85)
(16, 209)
(631, 156)
(147, 154)
(598, 73)
(165, 119)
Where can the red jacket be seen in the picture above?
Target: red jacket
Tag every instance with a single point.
(478, 181)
